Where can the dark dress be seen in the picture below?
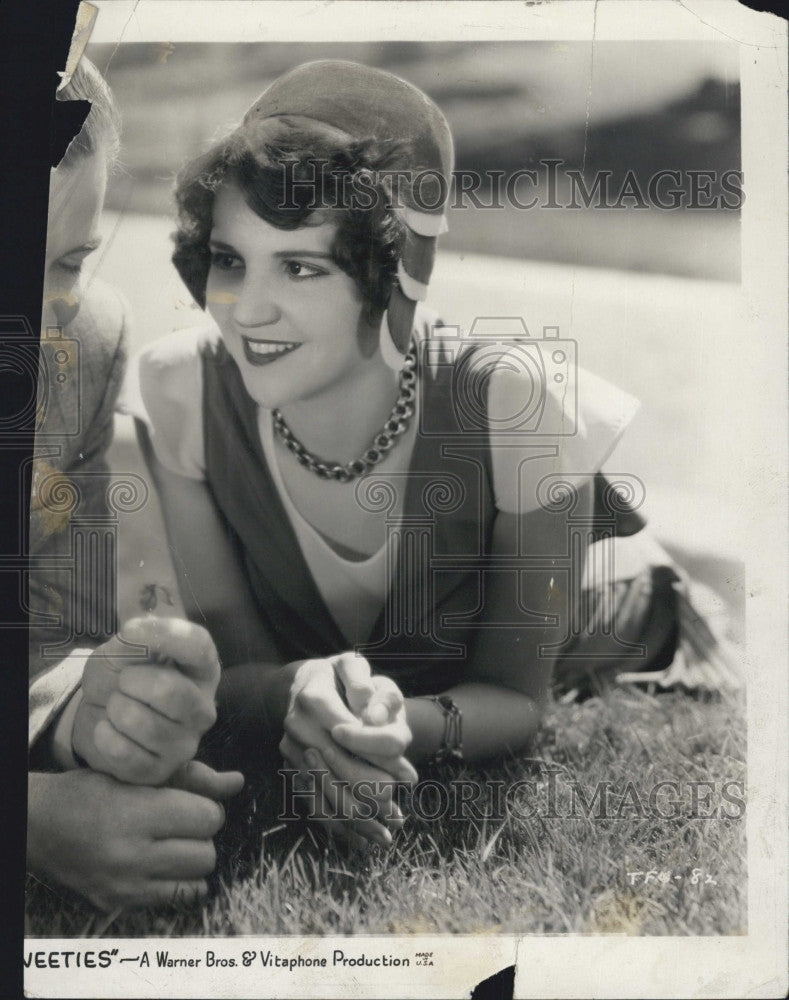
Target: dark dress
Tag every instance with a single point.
(441, 545)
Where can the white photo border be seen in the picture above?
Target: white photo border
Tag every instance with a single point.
(753, 964)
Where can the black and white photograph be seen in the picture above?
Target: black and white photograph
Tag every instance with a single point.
(405, 531)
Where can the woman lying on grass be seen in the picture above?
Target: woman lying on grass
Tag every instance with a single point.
(364, 513)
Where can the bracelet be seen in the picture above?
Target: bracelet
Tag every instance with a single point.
(451, 749)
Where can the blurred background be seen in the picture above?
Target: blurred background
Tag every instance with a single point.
(652, 297)
(643, 106)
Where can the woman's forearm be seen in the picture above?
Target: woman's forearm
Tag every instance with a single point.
(508, 672)
(495, 720)
(252, 700)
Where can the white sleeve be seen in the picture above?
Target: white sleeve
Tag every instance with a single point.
(51, 690)
(572, 428)
(164, 389)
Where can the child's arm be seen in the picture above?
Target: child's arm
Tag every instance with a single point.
(144, 709)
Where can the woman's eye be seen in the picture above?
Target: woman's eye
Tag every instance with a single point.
(226, 261)
(298, 269)
(69, 266)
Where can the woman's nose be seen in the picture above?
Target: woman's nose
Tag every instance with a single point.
(255, 306)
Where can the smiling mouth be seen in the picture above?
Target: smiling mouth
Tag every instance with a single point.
(263, 352)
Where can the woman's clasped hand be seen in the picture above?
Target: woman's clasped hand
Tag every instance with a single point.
(346, 734)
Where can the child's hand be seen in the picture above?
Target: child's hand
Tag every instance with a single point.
(141, 719)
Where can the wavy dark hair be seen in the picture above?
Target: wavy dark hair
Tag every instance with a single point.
(265, 161)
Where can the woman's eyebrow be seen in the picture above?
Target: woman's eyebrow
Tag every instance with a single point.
(319, 254)
(279, 254)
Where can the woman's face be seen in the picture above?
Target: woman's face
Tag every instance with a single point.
(76, 194)
(290, 317)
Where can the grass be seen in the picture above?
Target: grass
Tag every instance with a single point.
(505, 875)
